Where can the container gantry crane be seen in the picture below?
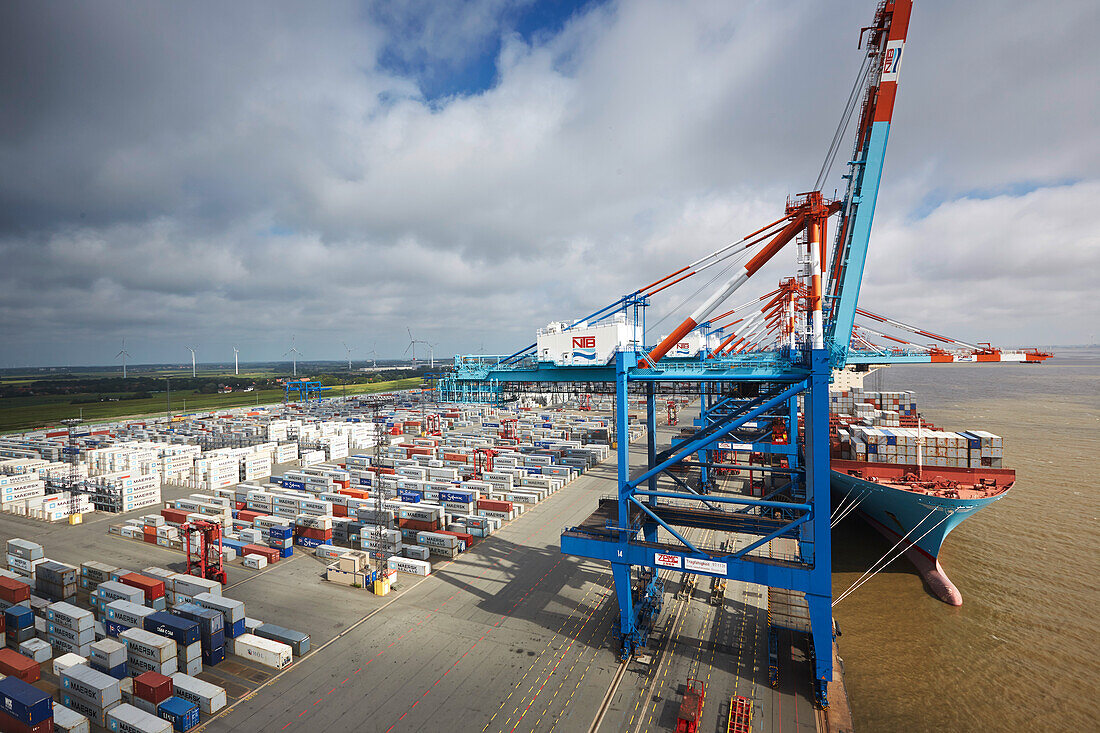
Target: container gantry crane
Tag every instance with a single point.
(762, 379)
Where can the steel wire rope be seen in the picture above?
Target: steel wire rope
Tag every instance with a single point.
(845, 120)
(734, 260)
(859, 583)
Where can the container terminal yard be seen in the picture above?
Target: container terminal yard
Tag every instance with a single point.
(653, 552)
(507, 635)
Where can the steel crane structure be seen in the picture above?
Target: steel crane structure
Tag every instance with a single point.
(761, 371)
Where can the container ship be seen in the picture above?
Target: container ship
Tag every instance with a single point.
(910, 481)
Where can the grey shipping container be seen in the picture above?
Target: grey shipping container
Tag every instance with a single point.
(69, 616)
(60, 646)
(147, 645)
(109, 653)
(137, 665)
(25, 549)
(296, 640)
(57, 631)
(129, 719)
(95, 714)
(66, 720)
(231, 609)
(127, 613)
(96, 687)
(210, 698)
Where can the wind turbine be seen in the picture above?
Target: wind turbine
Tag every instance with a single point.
(124, 353)
(236, 368)
(431, 354)
(293, 350)
(412, 345)
(192, 350)
(347, 349)
(373, 353)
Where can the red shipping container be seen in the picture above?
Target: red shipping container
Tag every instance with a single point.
(467, 538)
(238, 505)
(456, 457)
(14, 591)
(14, 664)
(420, 525)
(150, 535)
(152, 589)
(357, 493)
(339, 510)
(494, 506)
(270, 553)
(174, 516)
(247, 515)
(9, 724)
(153, 687)
(312, 533)
(385, 471)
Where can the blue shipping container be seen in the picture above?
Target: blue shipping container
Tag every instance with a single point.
(235, 629)
(114, 628)
(25, 703)
(178, 629)
(118, 672)
(307, 542)
(212, 656)
(280, 532)
(411, 497)
(209, 620)
(182, 714)
(18, 617)
(457, 496)
(286, 551)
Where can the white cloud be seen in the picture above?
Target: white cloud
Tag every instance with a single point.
(269, 176)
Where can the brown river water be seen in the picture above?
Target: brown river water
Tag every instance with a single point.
(1023, 651)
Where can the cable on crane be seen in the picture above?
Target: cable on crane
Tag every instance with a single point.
(866, 577)
(845, 120)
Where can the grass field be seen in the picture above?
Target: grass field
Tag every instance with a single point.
(28, 413)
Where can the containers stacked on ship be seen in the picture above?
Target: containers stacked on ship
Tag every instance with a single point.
(90, 693)
(24, 708)
(70, 630)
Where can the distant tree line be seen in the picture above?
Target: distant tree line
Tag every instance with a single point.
(90, 389)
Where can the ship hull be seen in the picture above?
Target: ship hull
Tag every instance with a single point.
(918, 522)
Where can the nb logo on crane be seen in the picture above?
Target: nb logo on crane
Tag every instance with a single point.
(584, 342)
(891, 61)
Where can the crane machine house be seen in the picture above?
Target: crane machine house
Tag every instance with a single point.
(582, 344)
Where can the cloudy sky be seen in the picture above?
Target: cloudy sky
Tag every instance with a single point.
(212, 174)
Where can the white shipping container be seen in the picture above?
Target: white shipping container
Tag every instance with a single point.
(265, 651)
